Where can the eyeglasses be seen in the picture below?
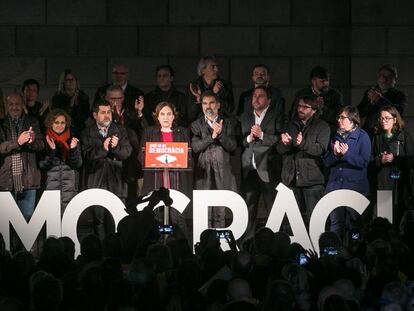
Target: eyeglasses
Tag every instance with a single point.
(342, 118)
(386, 119)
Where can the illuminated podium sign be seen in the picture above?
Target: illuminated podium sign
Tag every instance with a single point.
(166, 155)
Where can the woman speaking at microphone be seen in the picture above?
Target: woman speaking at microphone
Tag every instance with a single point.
(165, 130)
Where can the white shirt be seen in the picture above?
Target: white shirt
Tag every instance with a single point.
(257, 120)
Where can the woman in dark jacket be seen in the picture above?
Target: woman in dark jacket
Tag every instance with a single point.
(347, 158)
(393, 151)
(73, 100)
(165, 131)
(63, 156)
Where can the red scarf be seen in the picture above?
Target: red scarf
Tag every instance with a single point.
(61, 140)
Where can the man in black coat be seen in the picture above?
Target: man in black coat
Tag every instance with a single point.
(209, 80)
(20, 143)
(105, 145)
(329, 99)
(261, 76)
(302, 146)
(165, 91)
(120, 77)
(383, 94)
(260, 163)
(214, 138)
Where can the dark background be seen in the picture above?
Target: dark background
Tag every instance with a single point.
(40, 38)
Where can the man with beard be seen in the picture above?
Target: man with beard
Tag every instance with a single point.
(20, 143)
(165, 91)
(209, 80)
(328, 99)
(261, 76)
(260, 162)
(383, 94)
(213, 141)
(302, 146)
(104, 146)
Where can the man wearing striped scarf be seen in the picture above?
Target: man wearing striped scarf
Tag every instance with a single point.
(20, 140)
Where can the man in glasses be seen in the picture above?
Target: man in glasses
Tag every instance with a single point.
(132, 94)
(302, 146)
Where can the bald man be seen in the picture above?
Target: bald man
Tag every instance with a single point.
(120, 74)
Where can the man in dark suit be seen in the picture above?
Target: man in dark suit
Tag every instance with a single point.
(105, 145)
(120, 77)
(260, 131)
(213, 140)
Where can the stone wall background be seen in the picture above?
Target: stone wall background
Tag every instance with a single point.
(352, 38)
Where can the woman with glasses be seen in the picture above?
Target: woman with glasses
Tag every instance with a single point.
(392, 151)
(347, 158)
(73, 100)
(63, 156)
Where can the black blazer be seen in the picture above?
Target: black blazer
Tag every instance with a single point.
(268, 163)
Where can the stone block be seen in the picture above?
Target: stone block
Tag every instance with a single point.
(7, 35)
(22, 12)
(46, 41)
(127, 12)
(409, 109)
(320, 12)
(111, 41)
(287, 41)
(14, 70)
(374, 12)
(185, 70)
(265, 12)
(165, 41)
(338, 67)
(141, 69)
(356, 95)
(400, 40)
(76, 12)
(229, 40)
(336, 41)
(242, 68)
(90, 71)
(368, 40)
(199, 12)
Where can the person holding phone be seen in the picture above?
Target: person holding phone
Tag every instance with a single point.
(393, 151)
(62, 158)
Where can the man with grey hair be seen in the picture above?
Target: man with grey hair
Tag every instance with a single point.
(20, 141)
(209, 80)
